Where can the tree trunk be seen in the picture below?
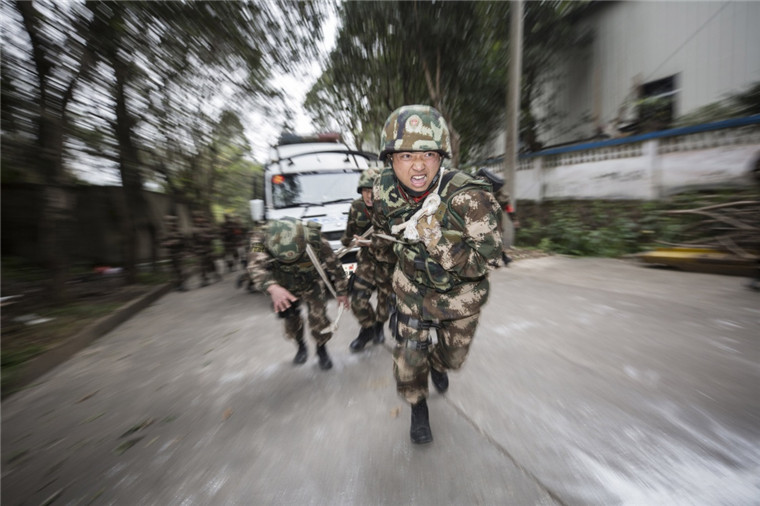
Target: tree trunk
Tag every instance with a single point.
(129, 168)
(55, 206)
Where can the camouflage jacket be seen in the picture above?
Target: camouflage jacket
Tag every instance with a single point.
(298, 275)
(449, 280)
(359, 220)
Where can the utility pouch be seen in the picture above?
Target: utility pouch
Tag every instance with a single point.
(438, 276)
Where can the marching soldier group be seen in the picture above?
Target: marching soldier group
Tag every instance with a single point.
(428, 237)
(200, 242)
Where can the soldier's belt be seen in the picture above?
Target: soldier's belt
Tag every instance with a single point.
(417, 324)
(418, 345)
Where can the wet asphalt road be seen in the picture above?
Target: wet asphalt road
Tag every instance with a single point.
(589, 381)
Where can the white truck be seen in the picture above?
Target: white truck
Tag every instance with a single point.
(313, 178)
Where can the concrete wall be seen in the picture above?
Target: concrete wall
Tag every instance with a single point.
(644, 167)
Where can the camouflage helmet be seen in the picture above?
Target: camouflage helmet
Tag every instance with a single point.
(367, 179)
(415, 128)
(286, 238)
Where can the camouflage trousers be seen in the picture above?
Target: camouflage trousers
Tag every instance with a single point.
(412, 359)
(176, 260)
(231, 255)
(316, 303)
(207, 265)
(371, 275)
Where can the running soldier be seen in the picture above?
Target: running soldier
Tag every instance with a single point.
(232, 237)
(280, 265)
(174, 242)
(370, 274)
(444, 227)
(203, 242)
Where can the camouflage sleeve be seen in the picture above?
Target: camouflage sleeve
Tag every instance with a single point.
(351, 227)
(333, 265)
(471, 252)
(382, 249)
(259, 262)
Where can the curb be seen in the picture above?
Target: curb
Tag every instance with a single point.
(41, 364)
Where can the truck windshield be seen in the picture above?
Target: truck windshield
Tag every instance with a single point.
(291, 190)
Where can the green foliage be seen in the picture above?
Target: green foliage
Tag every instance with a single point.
(153, 277)
(451, 55)
(590, 228)
(654, 113)
(744, 103)
(617, 228)
(20, 269)
(13, 358)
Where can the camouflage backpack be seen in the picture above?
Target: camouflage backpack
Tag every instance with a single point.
(287, 238)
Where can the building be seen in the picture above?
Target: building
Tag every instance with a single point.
(686, 54)
(648, 66)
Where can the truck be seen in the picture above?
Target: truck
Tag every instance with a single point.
(313, 178)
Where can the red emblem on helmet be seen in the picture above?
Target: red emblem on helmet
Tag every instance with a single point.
(414, 122)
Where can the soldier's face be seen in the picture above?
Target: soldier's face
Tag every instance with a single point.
(367, 196)
(416, 170)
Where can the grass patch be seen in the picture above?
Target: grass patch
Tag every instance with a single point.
(22, 342)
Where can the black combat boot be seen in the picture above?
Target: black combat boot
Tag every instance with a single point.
(420, 431)
(324, 359)
(379, 335)
(440, 380)
(301, 354)
(364, 336)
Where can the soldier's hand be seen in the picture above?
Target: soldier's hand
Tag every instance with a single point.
(429, 229)
(282, 299)
(360, 241)
(343, 300)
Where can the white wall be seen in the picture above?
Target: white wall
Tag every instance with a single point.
(647, 169)
(712, 47)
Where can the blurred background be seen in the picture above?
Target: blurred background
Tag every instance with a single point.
(633, 131)
(115, 114)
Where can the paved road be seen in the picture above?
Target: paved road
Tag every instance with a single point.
(589, 382)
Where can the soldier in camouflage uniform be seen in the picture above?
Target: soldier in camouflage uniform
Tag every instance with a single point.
(279, 265)
(370, 273)
(203, 243)
(446, 239)
(232, 236)
(174, 242)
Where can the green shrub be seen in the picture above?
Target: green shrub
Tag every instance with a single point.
(617, 228)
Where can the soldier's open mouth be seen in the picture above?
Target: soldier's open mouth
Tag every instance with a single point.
(418, 181)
